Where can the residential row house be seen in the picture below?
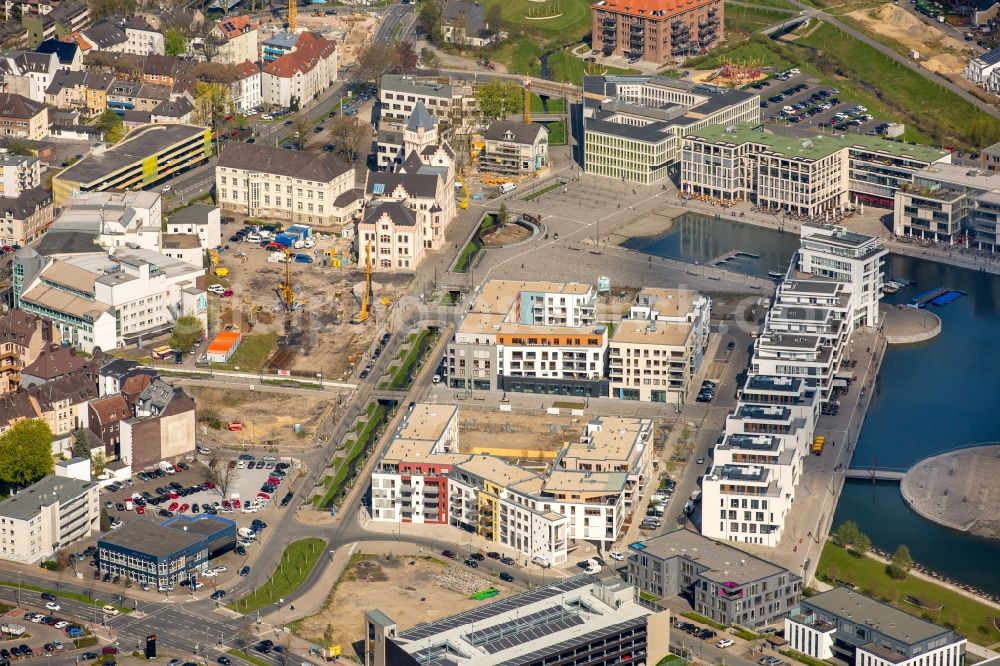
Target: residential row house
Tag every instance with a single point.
(302, 74)
(23, 337)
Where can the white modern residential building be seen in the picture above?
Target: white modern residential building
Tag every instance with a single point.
(291, 185)
(143, 39)
(845, 625)
(47, 516)
(832, 287)
(981, 69)
(536, 336)
(109, 300)
(633, 125)
(585, 495)
(245, 91)
(655, 352)
(452, 103)
(237, 40)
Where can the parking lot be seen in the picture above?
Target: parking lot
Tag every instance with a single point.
(257, 491)
(800, 101)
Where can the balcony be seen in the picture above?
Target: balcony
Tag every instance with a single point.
(609, 21)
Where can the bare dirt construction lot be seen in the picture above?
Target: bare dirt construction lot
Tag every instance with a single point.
(410, 590)
(938, 52)
(318, 338)
(273, 415)
(351, 31)
(519, 436)
(505, 235)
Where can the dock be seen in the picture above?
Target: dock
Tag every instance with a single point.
(921, 300)
(732, 254)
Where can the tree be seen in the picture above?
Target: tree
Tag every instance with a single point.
(375, 60)
(101, 8)
(861, 545)
(97, 463)
(111, 125)
(221, 473)
(498, 99)
(81, 444)
(174, 42)
(211, 100)
(105, 520)
(300, 130)
(847, 533)
(187, 332)
(26, 452)
(19, 147)
(215, 72)
(428, 57)
(407, 57)
(347, 135)
(503, 216)
(293, 103)
(901, 562)
(429, 19)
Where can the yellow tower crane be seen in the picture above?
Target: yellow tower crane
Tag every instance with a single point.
(366, 299)
(527, 101)
(293, 16)
(285, 288)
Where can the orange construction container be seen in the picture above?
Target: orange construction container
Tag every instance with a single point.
(223, 346)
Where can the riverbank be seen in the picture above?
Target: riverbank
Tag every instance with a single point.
(868, 222)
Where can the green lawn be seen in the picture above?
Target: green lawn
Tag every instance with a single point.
(520, 54)
(355, 447)
(297, 561)
(573, 23)
(62, 594)
(938, 113)
(804, 658)
(566, 67)
(758, 49)
(401, 377)
(970, 618)
(781, 4)
(467, 256)
(745, 20)
(249, 657)
(548, 188)
(253, 352)
(557, 133)
(552, 105)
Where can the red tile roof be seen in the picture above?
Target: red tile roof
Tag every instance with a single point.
(235, 26)
(309, 50)
(651, 9)
(247, 69)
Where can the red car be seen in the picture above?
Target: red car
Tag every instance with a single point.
(274, 481)
(173, 494)
(208, 485)
(264, 496)
(226, 504)
(139, 510)
(184, 507)
(227, 293)
(178, 468)
(7, 248)
(274, 247)
(173, 506)
(236, 503)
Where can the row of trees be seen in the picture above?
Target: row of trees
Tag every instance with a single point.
(853, 539)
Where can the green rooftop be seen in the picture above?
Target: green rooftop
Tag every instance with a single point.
(815, 147)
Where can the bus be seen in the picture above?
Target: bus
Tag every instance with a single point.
(162, 352)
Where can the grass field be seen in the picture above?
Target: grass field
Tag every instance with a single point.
(967, 616)
(572, 24)
(354, 447)
(780, 4)
(566, 67)
(552, 105)
(297, 561)
(745, 20)
(253, 352)
(62, 594)
(557, 133)
(521, 55)
(759, 49)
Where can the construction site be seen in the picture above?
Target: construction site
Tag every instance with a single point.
(352, 30)
(322, 315)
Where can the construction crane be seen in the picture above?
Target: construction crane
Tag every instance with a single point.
(285, 288)
(527, 98)
(293, 16)
(366, 299)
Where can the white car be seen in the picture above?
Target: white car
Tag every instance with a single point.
(216, 289)
(110, 610)
(209, 573)
(201, 449)
(616, 556)
(253, 238)
(53, 606)
(724, 643)
(269, 459)
(166, 188)
(220, 569)
(61, 624)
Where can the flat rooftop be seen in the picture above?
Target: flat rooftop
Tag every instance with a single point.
(668, 302)
(961, 175)
(646, 332)
(521, 628)
(774, 383)
(763, 412)
(617, 440)
(426, 421)
(817, 147)
(723, 562)
(855, 607)
(140, 144)
(594, 483)
(26, 504)
(735, 472)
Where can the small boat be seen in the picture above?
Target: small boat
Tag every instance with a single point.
(775, 275)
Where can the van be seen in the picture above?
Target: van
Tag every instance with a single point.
(696, 495)
(507, 188)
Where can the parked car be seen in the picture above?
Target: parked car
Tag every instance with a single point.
(506, 577)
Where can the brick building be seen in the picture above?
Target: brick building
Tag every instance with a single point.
(656, 30)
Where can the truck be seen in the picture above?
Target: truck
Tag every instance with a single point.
(287, 239)
(507, 188)
(275, 257)
(303, 230)
(818, 444)
(12, 629)
(162, 352)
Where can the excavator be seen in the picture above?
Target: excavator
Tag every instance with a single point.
(366, 299)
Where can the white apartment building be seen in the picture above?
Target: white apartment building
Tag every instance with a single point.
(109, 300)
(302, 74)
(290, 185)
(846, 625)
(981, 69)
(143, 39)
(425, 477)
(199, 220)
(655, 352)
(452, 103)
(18, 174)
(246, 91)
(28, 73)
(47, 516)
(813, 176)
(535, 336)
(238, 40)
(633, 125)
(833, 285)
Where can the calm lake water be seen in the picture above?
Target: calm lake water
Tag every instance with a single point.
(929, 397)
